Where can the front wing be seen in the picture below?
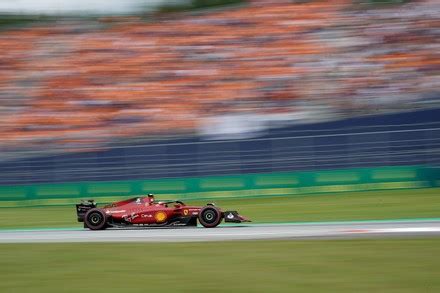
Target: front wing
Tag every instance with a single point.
(234, 217)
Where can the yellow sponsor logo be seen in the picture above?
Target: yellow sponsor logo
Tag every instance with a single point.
(185, 212)
(160, 216)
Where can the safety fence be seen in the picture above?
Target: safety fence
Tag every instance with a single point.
(393, 146)
(231, 186)
(403, 139)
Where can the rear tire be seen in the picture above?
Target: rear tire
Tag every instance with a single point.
(210, 217)
(95, 219)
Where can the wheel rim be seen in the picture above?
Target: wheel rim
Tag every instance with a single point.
(209, 216)
(95, 218)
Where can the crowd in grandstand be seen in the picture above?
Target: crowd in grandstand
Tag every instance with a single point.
(71, 84)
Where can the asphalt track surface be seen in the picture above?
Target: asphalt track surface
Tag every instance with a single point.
(230, 232)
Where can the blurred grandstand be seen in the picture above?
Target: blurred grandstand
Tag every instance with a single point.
(110, 92)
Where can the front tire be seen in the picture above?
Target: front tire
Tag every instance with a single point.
(95, 219)
(210, 217)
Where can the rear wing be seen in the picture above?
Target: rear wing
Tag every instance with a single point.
(83, 207)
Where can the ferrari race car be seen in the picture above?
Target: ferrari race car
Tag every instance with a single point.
(146, 212)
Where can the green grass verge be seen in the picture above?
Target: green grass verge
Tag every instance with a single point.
(393, 265)
(378, 205)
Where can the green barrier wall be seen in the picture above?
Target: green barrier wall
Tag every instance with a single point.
(248, 185)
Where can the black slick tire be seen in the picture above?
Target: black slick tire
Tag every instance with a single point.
(95, 219)
(210, 217)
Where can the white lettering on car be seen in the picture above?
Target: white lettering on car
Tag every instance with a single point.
(115, 212)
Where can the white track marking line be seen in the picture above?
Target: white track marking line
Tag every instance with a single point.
(395, 230)
(408, 229)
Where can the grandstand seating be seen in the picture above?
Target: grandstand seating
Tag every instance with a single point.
(79, 86)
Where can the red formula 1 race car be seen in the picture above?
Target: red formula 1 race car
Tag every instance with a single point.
(146, 212)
